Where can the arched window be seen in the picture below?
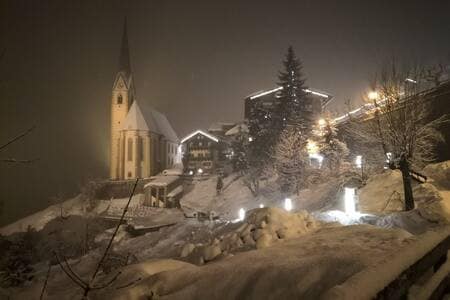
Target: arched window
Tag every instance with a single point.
(140, 149)
(119, 99)
(130, 149)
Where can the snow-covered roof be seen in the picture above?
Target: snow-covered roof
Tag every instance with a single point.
(219, 126)
(161, 181)
(175, 191)
(274, 90)
(211, 137)
(143, 117)
(135, 119)
(237, 129)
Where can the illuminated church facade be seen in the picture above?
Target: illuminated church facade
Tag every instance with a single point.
(143, 143)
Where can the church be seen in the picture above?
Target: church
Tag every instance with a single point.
(143, 143)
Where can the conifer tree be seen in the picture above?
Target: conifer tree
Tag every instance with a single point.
(291, 107)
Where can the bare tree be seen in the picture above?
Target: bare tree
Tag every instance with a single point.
(399, 123)
(13, 140)
(89, 285)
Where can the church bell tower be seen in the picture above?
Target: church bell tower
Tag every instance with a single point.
(121, 100)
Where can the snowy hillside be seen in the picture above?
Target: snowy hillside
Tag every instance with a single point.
(271, 254)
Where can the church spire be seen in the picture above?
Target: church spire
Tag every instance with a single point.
(124, 60)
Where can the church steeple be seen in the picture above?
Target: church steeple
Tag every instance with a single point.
(121, 101)
(124, 59)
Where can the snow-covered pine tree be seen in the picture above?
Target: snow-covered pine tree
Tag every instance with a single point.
(261, 140)
(291, 107)
(240, 145)
(332, 149)
(291, 159)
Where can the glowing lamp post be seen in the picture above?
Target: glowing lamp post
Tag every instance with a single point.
(241, 214)
(261, 206)
(349, 200)
(373, 95)
(288, 204)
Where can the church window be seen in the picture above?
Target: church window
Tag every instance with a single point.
(130, 149)
(140, 149)
(119, 99)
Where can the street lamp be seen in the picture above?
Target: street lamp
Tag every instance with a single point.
(373, 95)
(288, 204)
(349, 200)
(241, 214)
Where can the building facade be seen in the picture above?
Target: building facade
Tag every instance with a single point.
(143, 142)
(200, 152)
(316, 101)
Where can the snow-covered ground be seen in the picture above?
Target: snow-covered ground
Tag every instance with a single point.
(272, 254)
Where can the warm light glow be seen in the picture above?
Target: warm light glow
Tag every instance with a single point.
(241, 214)
(322, 122)
(349, 201)
(358, 161)
(373, 95)
(410, 80)
(200, 171)
(261, 206)
(288, 204)
(191, 172)
(312, 147)
(266, 93)
(202, 133)
(250, 139)
(315, 93)
(317, 157)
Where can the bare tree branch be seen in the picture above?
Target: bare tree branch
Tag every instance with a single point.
(88, 286)
(22, 161)
(45, 282)
(17, 137)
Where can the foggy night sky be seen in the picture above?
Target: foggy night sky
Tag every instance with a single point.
(193, 60)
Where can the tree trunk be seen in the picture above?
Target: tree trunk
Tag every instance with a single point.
(404, 168)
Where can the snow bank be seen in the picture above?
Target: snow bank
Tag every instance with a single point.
(439, 174)
(262, 228)
(305, 267)
(382, 192)
(137, 272)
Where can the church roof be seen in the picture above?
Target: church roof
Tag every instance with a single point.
(144, 117)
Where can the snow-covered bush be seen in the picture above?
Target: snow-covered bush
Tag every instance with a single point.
(291, 159)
